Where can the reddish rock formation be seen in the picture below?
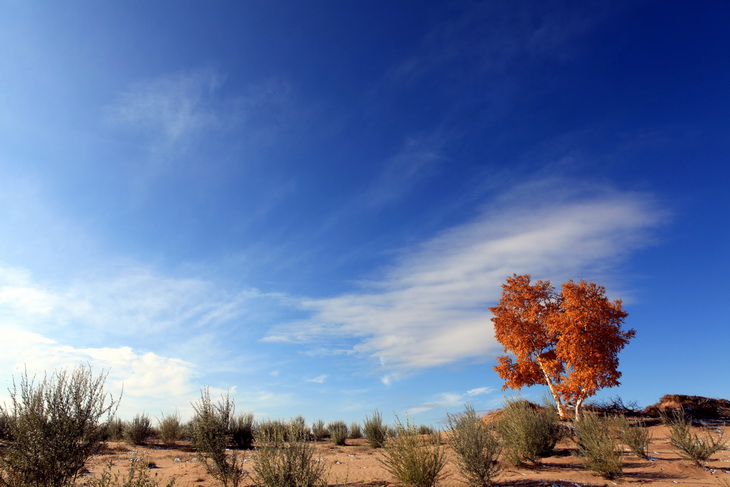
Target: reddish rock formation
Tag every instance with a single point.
(696, 406)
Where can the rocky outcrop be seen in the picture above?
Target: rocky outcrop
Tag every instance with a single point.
(696, 406)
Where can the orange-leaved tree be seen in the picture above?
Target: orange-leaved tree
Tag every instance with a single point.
(568, 341)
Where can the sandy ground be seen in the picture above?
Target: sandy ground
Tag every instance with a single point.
(356, 464)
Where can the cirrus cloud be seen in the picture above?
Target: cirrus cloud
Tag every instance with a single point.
(430, 307)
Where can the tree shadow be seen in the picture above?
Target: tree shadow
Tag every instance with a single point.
(648, 476)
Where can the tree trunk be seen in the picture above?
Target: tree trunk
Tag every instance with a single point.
(554, 393)
(578, 405)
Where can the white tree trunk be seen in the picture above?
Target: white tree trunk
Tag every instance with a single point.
(554, 393)
(578, 405)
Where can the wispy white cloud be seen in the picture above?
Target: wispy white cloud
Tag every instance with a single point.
(506, 36)
(430, 307)
(450, 399)
(418, 160)
(479, 391)
(174, 119)
(123, 303)
(168, 109)
(142, 300)
(319, 379)
(387, 379)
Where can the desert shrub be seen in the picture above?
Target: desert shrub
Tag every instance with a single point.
(138, 475)
(636, 436)
(338, 431)
(55, 425)
(298, 429)
(614, 406)
(477, 448)
(280, 464)
(355, 430)
(114, 430)
(187, 430)
(375, 431)
(210, 427)
(271, 431)
(425, 429)
(528, 432)
(241, 430)
(138, 430)
(171, 428)
(690, 445)
(597, 445)
(319, 430)
(414, 460)
(5, 427)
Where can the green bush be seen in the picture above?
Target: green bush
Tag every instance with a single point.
(528, 432)
(271, 431)
(114, 430)
(242, 431)
(636, 436)
(5, 428)
(280, 464)
(691, 446)
(375, 431)
(210, 428)
(477, 448)
(188, 430)
(171, 428)
(414, 460)
(55, 426)
(338, 430)
(319, 430)
(298, 429)
(138, 430)
(598, 446)
(355, 430)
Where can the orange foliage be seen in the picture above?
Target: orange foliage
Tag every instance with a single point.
(569, 340)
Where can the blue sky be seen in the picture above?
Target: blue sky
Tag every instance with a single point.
(312, 205)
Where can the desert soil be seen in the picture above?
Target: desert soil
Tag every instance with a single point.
(357, 464)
